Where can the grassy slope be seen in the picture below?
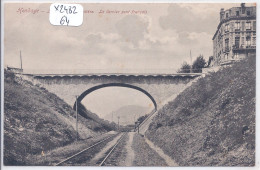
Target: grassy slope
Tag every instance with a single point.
(213, 121)
(36, 120)
(144, 155)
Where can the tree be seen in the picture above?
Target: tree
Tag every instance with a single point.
(142, 118)
(185, 68)
(198, 64)
(210, 61)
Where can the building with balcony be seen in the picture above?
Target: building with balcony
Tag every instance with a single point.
(235, 37)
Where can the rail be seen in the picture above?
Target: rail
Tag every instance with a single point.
(102, 141)
(148, 117)
(102, 163)
(84, 150)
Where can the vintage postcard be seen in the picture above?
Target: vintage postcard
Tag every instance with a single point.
(146, 84)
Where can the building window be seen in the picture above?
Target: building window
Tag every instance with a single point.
(254, 25)
(248, 25)
(219, 37)
(237, 25)
(226, 15)
(248, 41)
(243, 41)
(237, 41)
(237, 13)
(226, 57)
(247, 12)
(227, 44)
(236, 55)
(243, 25)
(243, 10)
(254, 41)
(227, 27)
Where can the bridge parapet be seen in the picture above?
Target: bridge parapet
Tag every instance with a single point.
(100, 73)
(116, 75)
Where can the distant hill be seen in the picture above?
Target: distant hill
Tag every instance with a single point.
(127, 114)
(211, 123)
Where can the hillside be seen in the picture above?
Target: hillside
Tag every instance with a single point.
(36, 120)
(212, 123)
(127, 114)
(103, 125)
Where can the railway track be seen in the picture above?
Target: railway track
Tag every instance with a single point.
(113, 148)
(84, 157)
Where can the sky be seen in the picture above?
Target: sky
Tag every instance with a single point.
(160, 39)
(113, 98)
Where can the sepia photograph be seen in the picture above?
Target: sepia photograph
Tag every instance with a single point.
(128, 84)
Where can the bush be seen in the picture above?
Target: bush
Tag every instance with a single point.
(198, 64)
(185, 68)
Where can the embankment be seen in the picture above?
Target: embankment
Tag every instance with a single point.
(36, 121)
(211, 123)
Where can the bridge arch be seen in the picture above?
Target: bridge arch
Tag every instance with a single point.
(90, 90)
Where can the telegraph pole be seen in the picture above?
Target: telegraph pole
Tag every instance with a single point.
(190, 62)
(138, 126)
(76, 118)
(134, 118)
(21, 61)
(118, 122)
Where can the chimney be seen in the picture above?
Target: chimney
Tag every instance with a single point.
(222, 12)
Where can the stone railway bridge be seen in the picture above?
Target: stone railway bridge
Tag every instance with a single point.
(158, 87)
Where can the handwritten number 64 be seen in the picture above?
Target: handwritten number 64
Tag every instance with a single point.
(64, 20)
